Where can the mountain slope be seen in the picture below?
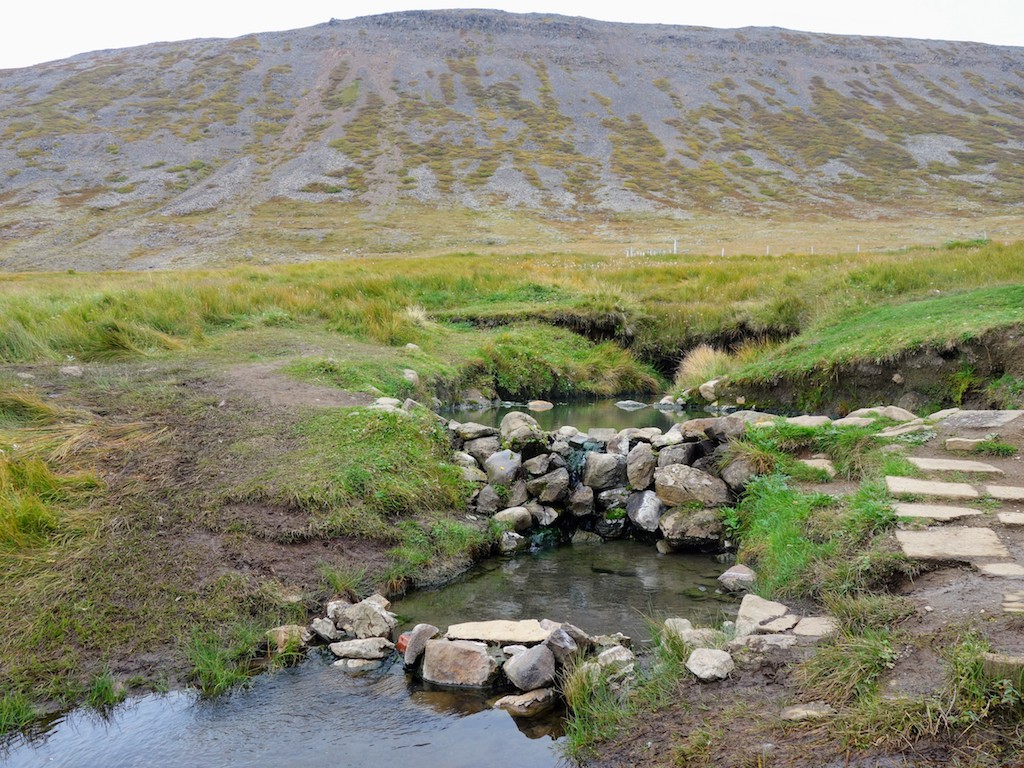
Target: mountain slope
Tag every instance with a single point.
(179, 150)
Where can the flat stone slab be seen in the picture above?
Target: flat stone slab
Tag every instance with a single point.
(910, 485)
(500, 631)
(823, 464)
(1005, 492)
(908, 429)
(952, 543)
(1011, 518)
(980, 419)
(1002, 570)
(963, 443)
(934, 511)
(953, 465)
(1013, 602)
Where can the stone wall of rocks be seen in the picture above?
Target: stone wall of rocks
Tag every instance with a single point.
(646, 483)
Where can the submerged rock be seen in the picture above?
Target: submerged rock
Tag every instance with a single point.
(367, 648)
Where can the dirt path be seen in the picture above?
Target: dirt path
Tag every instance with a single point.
(264, 382)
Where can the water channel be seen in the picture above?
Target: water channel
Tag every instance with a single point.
(314, 714)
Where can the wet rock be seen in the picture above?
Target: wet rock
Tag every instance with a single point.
(461, 663)
(581, 501)
(709, 664)
(417, 643)
(739, 578)
(645, 510)
(511, 541)
(604, 470)
(482, 448)
(640, 466)
(528, 704)
(503, 468)
(325, 630)
(692, 529)
(611, 526)
(289, 637)
(630, 405)
(367, 648)
(531, 669)
(518, 517)
(551, 488)
(540, 405)
(357, 665)
(562, 646)
(521, 432)
(680, 484)
(738, 473)
(613, 498)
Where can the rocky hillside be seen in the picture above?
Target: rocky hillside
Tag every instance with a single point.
(136, 157)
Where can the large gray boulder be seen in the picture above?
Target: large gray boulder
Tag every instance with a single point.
(644, 508)
(521, 432)
(368, 619)
(518, 517)
(640, 466)
(680, 484)
(683, 453)
(693, 529)
(738, 473)
(551, 488)
(604, 470)
(473, 431)
(708, 664)
(482, 448)
(532, 668)
(503, 468)
(581, 501)
(462, 663)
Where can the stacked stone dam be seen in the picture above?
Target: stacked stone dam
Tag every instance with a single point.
(644, 483)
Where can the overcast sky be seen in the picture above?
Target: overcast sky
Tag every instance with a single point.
(34, 31)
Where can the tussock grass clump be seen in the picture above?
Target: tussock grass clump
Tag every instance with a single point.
(104, 692)
(31, 500)
(702, 363)
(848, 667)
(222, 660)
(16, 711)
(22, 409)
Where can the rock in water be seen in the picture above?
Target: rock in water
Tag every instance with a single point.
(460, 663)
(533, 668)
(417, 643)
(528, 704)
(368, 648)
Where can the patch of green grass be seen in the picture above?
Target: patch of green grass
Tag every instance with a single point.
(341, 580)
(371, 376)
(21, 409)
(994, 447)
(104, 692)
(847, 668)
(223, 659)
(16, 711)
(597, 710)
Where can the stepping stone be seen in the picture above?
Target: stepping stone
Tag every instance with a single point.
(1013, 602)
(909, 485)
(1005, 492)
(853, 421)
(953, 543)
(1011, 518)
(934, 511)
(953, 465)
(980, 419)
(1003, 570)
(809, 421)
(943, 414)
(963, 443)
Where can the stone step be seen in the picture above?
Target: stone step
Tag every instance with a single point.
(980, 419)
(934, 511)
(952, 543)
(1001, 570)
(1005, 492)
(1011, 518)
(1013, 602)
(910, 485)
(953, 465)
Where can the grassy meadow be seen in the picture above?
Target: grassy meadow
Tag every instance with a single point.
(160, 493)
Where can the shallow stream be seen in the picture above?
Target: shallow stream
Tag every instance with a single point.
(315, 714)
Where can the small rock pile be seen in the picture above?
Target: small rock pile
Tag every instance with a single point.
(642, 482)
